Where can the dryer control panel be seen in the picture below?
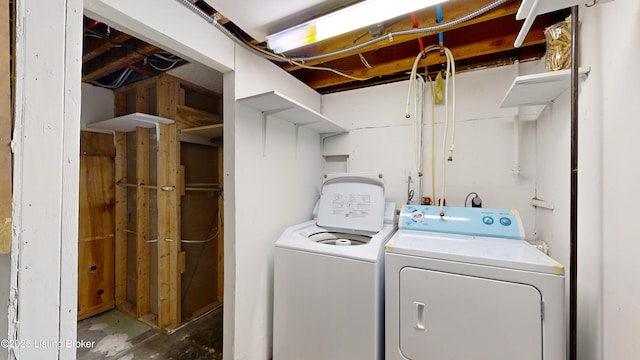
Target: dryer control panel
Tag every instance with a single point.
(501, 223)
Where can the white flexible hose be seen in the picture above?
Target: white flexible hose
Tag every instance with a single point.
(450, 73)
(433, 140)
(417, 124)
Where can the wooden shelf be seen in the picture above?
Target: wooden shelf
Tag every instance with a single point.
(192, 188)
(539, 89)
(276, 104)
(202, 134)
(128, 123)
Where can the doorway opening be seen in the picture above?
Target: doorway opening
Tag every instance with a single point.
(150, 239)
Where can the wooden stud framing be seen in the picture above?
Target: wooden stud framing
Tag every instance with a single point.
(121, 219)
(6, 116)
(142, 222)
(163, 96)
(168, 228)
(142, 99)
(168, 93)
(120, 104)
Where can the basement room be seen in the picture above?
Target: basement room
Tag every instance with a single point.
(319, 179)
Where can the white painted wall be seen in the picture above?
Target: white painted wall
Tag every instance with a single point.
(97, 105)
(608, 291)
(42, 304)
(381, 140)
(5, 276)
(200, 75)
(270, 191)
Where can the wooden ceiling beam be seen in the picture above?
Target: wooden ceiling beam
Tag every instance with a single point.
(488, 45)
(143, 69)
(451, 10)
(116, 59)
(94, 47)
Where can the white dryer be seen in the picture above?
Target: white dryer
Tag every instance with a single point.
(466, 286)
(328, 300)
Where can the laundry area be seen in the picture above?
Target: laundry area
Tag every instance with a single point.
(452, 182)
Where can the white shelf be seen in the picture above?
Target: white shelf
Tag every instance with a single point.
(128, 123)
(542, 204)
(202, 134)
(529, 9)
(545, 6)
(274, 103)
(539, 89)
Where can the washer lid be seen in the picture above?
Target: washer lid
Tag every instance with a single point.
(353, 202)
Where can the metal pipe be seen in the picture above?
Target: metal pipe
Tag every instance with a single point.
(573, 217)
(388, 37)
(391, 35)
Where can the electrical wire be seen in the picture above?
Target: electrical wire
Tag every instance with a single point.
(365, 62)
(409, 191)
(299, 61)
(173, 64)
(413, 31)
(467, 198)
(89, 32)
(119, 81)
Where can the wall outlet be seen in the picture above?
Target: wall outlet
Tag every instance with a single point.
(409, 175)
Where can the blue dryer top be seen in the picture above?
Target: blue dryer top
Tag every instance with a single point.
(500, 223)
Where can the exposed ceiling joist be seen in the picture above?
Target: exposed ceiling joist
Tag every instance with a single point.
(484, 40)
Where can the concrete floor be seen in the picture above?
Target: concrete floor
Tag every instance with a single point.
(114, 335)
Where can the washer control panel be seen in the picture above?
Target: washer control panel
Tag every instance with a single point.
(502, 223)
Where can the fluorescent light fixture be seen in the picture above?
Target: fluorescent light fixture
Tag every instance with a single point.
(351, 18)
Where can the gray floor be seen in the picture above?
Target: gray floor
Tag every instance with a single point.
(114, 335)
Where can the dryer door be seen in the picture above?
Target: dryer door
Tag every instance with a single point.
(448, 316)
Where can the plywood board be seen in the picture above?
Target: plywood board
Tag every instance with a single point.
(6, 116)
(95, 277)
(96, 281)
(200, 228)
(97, 144)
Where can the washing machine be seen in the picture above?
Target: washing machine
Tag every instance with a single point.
(465, 285)
(328, 298)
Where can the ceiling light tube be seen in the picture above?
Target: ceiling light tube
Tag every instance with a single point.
(354, 17)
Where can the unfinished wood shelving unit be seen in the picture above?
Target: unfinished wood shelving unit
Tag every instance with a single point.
(168, 208)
